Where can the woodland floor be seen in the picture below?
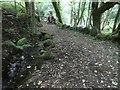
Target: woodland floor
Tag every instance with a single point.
(80, 62)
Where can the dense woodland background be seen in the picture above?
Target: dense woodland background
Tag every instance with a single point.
(101, 17)
(26, 45)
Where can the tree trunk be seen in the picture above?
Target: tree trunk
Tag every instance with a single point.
(82, 12)
(15, 6)
(78, 12)
(105, 21)
(97, 12)
(96, 21)
(27, 5)
(118, 28)
(89, 15)
(71, 17)
(73, 14)
(96, 16)
(30, 12)
(75, 19)
(57, 11)
(33, 23)
(116, 19)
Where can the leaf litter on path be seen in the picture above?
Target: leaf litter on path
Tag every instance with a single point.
(80, 62)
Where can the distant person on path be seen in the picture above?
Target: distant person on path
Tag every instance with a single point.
(51, 19)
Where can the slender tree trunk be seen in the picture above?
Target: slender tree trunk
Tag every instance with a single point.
(118, 28)
(88, 18)
(90, 25)
(73, 13)
(82, 12)
(57, 11)
(27, 7)
(71, 17)
(78, 12)
(15, 6)
(116, 19)
(75, 19)
(33, 23)
(105, 20)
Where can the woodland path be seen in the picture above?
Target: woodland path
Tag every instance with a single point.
(80, 62)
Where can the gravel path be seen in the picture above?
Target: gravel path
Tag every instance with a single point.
(80, 62)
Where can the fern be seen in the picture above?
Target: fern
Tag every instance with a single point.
(26, 45)
(21, 41)
(21, 44)
(9, 43)
(19, 47)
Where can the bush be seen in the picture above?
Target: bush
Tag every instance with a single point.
(103, 37)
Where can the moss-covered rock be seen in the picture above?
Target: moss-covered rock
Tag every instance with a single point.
(39, 63)
(63, 26)
(85, 30)
(40, 44)
(68, 26)
(47, 36)
(46, 55)
(93, 31)
(52, 45)
(48, 42)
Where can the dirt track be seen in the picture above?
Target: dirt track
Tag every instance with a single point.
(80, 62)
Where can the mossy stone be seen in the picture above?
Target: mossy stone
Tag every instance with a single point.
(47, 36)
(40, 44)
(48, 42)
(94, 31)
(47, 55)
(39, 63)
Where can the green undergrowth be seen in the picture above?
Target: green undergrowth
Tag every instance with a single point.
(21, 46)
